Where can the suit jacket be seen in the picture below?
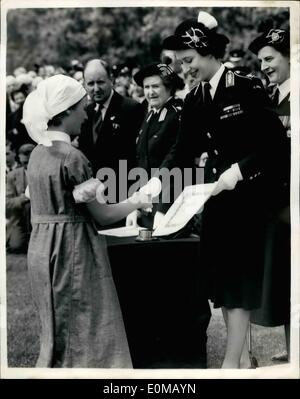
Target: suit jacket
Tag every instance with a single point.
(117, 134)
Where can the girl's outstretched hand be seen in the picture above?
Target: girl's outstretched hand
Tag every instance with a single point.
(142, 200)
(86, 191)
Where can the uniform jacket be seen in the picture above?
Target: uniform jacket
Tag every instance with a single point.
(117, 134)
(239, 127)
(156, 145)
(157, 138)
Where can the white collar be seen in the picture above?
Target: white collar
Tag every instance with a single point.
(56, 135)
(105, 105)
(214, 81)
(284, 89)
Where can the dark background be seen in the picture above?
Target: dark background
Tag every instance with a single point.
(130, 35)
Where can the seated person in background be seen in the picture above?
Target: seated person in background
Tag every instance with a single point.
(17, 204)
(11, 162)
(157, 138)
(15, 130)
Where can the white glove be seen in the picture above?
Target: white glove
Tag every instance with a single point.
(157, 219)
(131, 219)
(152, 188)
(228, 179)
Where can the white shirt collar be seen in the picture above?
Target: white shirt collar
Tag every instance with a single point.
(55, 135)
(284, 89)
(105, 105)
(214, 81)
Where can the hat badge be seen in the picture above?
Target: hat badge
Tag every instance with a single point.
(196, 38)
(275, 35)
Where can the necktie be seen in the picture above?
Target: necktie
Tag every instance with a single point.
(207, 95)
(97, 121)
(275, 97)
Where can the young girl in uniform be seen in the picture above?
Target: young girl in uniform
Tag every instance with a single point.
(81, 320)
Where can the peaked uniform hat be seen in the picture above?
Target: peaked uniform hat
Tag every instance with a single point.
(199, 34)
(162, 70)
(277, 38)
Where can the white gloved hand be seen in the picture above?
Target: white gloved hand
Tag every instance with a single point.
(131, 219)
(228, 179)
(152, 188)
(157, 219)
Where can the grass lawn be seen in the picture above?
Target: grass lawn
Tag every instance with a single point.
(22, 325)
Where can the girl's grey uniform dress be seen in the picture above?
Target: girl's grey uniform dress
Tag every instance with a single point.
(81, 320)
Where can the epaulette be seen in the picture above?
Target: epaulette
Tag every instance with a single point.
(250, 77)
(177, 108)
(240, 74)
(229, 79)
(162, 115)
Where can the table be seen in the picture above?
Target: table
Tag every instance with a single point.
(165, 315)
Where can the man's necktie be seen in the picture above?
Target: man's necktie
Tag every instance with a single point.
(97, 121)
(275, 97)
(207, 95)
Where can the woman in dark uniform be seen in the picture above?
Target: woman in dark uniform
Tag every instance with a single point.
(228, 116)
(273, 51)
(157, 138)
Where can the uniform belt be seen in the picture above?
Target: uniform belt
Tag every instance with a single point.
(58, 218)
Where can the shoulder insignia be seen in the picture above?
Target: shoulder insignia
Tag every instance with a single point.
(162, 115)
(243, 75)
(177, 108)
(229, 79)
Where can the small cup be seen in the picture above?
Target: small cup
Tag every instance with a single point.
(145, 234)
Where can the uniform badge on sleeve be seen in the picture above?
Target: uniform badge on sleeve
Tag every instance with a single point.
(229, 79)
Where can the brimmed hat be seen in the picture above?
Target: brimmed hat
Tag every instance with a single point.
(198, 34)
(277, 38)
(162, 70)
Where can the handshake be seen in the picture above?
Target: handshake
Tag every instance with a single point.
(93, 189)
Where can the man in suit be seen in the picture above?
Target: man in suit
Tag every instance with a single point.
(110, 131)
(17, 204)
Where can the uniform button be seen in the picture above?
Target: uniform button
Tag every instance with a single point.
(216, 152)
(208, 135)
(214, 171)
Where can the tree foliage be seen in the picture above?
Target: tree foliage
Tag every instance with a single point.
(120, 34)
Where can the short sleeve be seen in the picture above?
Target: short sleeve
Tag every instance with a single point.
(77, 168)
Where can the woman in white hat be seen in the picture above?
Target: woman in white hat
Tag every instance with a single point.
(81, 320)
